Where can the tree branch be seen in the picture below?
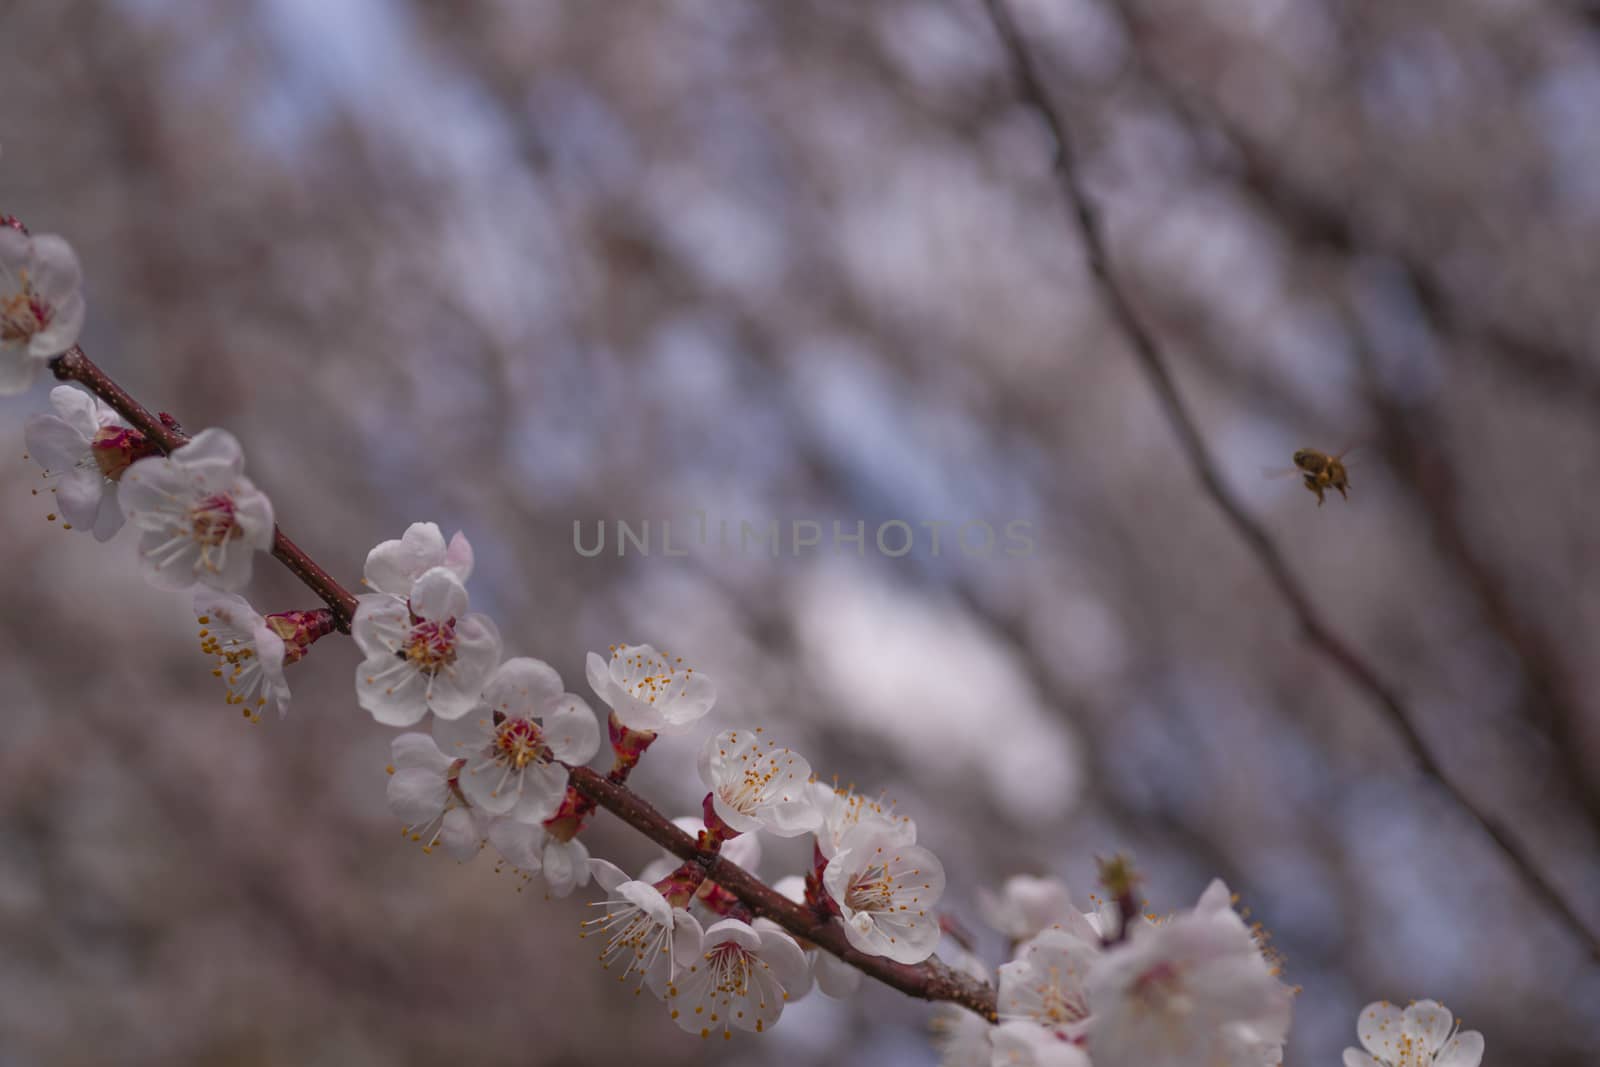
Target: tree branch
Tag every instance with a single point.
(74, 366)
(932, 980)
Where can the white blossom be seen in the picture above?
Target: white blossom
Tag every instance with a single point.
(202, 519)
(652, 937)
(1193, 989)
(1422, 1035)
(649, 691)
(739, 979)
(41, 305)
(87, 446)
(844, 809)
(250, 653)
(886, 892)
(1045, 983)
(757, 786)
(1026, 906)
(424, 653)
(530, 848)
(393, 567)
(424, 795)
(517, 742)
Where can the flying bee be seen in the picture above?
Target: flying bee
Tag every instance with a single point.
(1318, 471)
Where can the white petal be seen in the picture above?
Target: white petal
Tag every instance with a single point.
(785, 957)
(566, 865)
(55, 444)
(519, 687)
(416, 795)
(458, 557)
(418, 750)
(393, 566)
(608, 875)
(466, 736)
(459, 835)
(1380, 1027)
(155, 493)
(690, 701)
(457, 690)
(438, 595)
(395, 697)
(381, 624)
(1463, 1050)
(489, 786)
(55, 273)
(108, 517)
(571, 730)
(81, 411)
(835, 977)
(521, 844)
(1356, 1058)
(66, 323)
(18, 370)
(543, 789)
(252, 511)
(213, 452)
(79, 494)
(1430, 1023)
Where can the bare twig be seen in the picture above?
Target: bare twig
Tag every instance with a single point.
(1153, 362)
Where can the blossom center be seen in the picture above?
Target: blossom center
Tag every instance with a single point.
(730, 967)
(431, 646)
(212, 522)
(871, 890)
(519, 743)
(23, 314)
(753, 786)
(650, 679)
(114, 448)
(1061, 1002)
(1162, 989)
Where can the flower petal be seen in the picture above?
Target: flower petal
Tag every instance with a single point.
(18, 370)
(460, 835)
(418, 750)
(571, 729)
(393, 566)
(1430, 1023)
(1463, 1050)
(1380, 1028)
(520, 686)
(214, 452)
(521, 844)
(438, 596)
(417, 796)
(54, 443)
(566, 865)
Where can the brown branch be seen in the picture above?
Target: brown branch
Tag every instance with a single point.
(74, 366)
(932, 980)
(1153, 362)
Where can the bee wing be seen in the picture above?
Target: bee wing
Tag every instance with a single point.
(1344, 453)
(1279, 472)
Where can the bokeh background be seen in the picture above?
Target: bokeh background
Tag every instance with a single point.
(506, 265)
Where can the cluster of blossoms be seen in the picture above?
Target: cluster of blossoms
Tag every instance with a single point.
(492, 765)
